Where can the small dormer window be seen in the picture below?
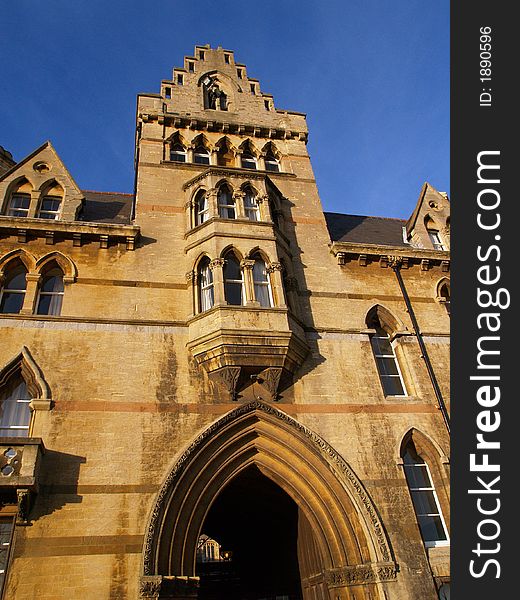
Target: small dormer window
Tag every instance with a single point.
(19, 205)
(435, 239)
(50, 207)
(178, 153)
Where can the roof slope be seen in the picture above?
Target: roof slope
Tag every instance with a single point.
(358, 229)
(107, 207)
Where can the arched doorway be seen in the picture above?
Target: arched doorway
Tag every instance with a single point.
(346, 554)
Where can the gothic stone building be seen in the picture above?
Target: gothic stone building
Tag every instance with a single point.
(216, 358)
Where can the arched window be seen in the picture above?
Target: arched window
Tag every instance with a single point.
(13, 291)
(19, 205)
(444, 296)
(178, 153)
(251, 208)
(386, 361)
(424, 498)
(226, 203)
(248, 161)
(271, 162)
(233, 280)
(201, 156)
(50, 207)
(201, 208)
(50, 292)
(205, 281)
(15, 413)
(262, 284)
(434, 235)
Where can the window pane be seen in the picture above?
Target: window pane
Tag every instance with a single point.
(52, 283)
(392, 386)
(15, 413)
(262, 295)
(49, 304)
(417, 476)
(233, 293)
(424, 503)
(16, 280)
(232, 269)
(50, 203)
(6, 530)
(387, 366)
(432, 529)
(382, 346)
(11, 303)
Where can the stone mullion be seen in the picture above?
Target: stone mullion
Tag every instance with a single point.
(189, 154)
(263, 206)
(274, 271)
(212, 196)
(28, 307)
(249, 288)
(217, 268)
(238, 197)
(35, 200)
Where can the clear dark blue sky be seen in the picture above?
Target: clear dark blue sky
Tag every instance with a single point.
(371, 75)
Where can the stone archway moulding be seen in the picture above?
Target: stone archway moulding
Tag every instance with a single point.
(348, 529)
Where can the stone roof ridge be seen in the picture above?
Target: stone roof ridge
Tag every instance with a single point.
(102, 192)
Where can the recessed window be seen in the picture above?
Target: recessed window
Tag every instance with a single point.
(233, 281)
(201, 156)
(387, 364)
(271, 163)
(239, 73)
(50, 293)
(201, 208)
(226, 203)
(424, 498)
(251, 208)
(167, 92)
(248, 160)
(6, 536)
(13, 291)
(15, 413)
(180, 79)
(50, 207)
(201, 54)
(205, 281)
(252, 88)
(267, 105)
(262, 284)
(444, 297)
(226, 59)
(19, 205)
(191, 67)
(178, 153)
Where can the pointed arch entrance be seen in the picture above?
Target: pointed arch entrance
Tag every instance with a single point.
(343, 551)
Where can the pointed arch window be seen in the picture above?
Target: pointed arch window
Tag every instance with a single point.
(225, 156)
(248, 161)
(201, 156)
(50, 207)
(50, 292)
(386, 361)
(13, 291)
(262, 283)
(424, 498)
(205, 281)
(15, 412)
(19, 205)
(178, 153)
(233, 281)
(271, 162)
(201, 208)
(226, 203)
(444, 296)
(251, 208)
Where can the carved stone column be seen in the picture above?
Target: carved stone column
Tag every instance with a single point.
(238, 197)
(217, 266)
(275, 270)
(247, 265)
(33, 279)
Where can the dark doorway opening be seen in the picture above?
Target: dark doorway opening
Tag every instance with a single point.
(255, 525)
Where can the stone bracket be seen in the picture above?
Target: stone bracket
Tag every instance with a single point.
(227, 377)
(178, 587)
(269, 379)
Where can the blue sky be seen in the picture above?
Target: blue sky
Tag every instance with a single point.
(371, 75)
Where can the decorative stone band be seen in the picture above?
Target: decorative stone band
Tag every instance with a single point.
(168, 586)
(361, 574)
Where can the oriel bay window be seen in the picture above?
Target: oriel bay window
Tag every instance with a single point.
(12, 293)
(201, 208)
(251, 208)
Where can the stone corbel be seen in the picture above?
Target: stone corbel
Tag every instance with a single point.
(227, 377)
(22, 236)
(425, 264)
(269, 379)
(342, 258)
(150, 586)
(25, 501)
(383, 262)
(363, 260)
(445, 266)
